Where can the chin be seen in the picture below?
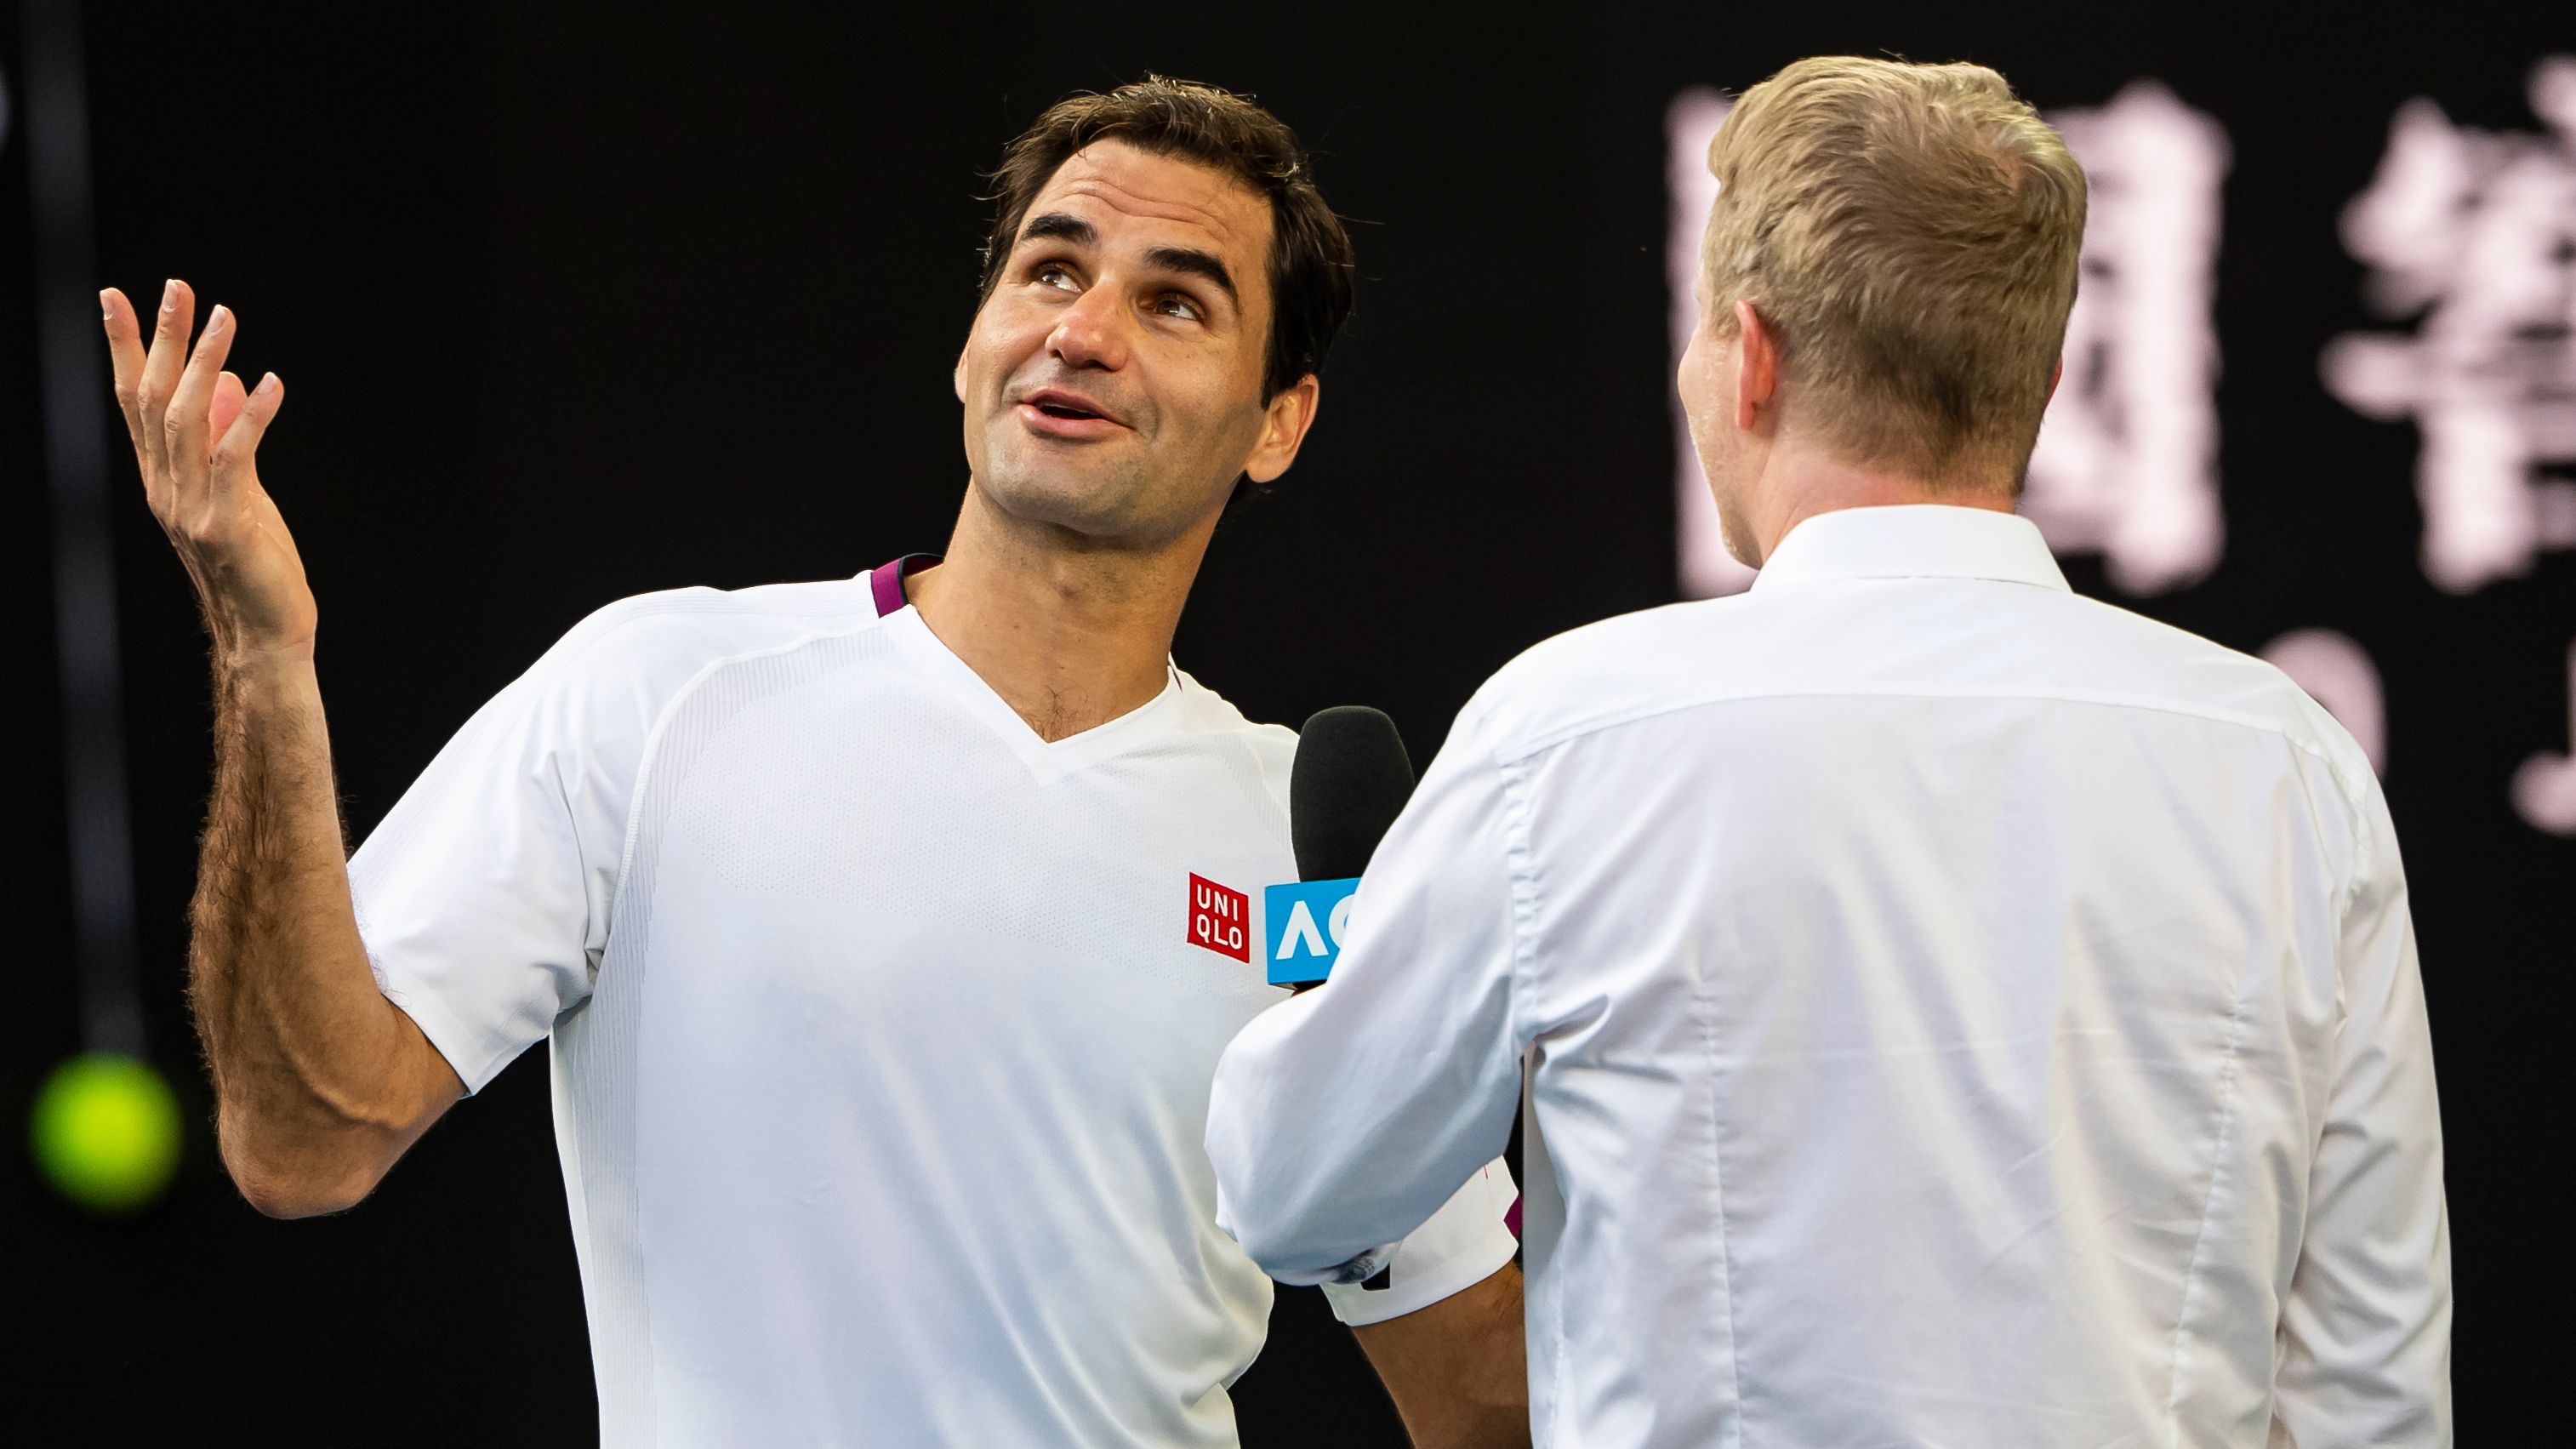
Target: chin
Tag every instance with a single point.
(1063, 498)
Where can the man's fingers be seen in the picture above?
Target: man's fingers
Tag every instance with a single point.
(229, 394)
(124, 350)
(161, 366)
(125, 362)
(185, 425)
(233, 466)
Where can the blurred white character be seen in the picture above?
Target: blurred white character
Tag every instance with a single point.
(2336, 672)
(2544, 789)
(2473, 234)
(2127, 462)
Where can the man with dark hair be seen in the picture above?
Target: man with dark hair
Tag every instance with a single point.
(884, 931)
(1309, 258)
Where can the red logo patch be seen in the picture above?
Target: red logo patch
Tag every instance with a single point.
(1220, 919)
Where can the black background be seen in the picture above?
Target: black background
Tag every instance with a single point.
(576, 301)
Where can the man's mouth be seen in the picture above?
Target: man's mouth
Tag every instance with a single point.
(1056, 405)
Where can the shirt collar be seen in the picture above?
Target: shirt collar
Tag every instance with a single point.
(1913, 541)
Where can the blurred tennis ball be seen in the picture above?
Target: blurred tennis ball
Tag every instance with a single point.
(106, 1132)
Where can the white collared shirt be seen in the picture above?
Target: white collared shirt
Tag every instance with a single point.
(1955, 1012)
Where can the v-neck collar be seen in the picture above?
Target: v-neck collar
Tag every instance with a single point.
(1047, 760)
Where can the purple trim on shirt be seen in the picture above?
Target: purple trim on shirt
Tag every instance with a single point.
(1512, 1219)
(885, 581)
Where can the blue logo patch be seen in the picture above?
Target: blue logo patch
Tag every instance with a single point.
(1301, 928)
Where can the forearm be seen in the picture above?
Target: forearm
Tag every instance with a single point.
(1286, 1182)
(316, 1073)
(319, 1081)
(1458, 1370)
(1340, 1121)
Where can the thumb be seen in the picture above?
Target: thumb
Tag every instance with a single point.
(227, 405)
(231, 469)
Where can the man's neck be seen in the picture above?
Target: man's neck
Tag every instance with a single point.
(1802, 484)
(1069, 632)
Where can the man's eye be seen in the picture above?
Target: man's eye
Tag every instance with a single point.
(1172, 304)
(1053, 275)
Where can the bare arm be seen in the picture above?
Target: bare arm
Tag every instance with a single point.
(1457, 1370)
(320, 1082)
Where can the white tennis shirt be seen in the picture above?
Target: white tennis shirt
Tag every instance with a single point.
(1956, 1012)
(882, 1028)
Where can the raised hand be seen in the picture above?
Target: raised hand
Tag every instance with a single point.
(196, 432)
(320, 1082)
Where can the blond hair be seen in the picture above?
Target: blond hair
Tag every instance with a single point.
(1910, 233)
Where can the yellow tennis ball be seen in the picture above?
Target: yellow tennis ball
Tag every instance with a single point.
(106, 1132)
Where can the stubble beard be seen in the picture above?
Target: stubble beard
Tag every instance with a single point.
(1116, 500)
(1079, 496)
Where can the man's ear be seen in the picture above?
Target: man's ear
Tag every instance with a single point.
(957, 379)
(1283, 429)
(2054, 374)
(1757, 372)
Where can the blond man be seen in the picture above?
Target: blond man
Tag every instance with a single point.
(1952, 1011)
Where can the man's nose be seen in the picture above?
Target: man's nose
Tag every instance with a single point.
(1092, 332)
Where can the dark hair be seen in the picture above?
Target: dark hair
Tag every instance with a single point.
(1310, 254)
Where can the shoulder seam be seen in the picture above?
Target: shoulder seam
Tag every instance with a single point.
(646, 758)
(636, 609)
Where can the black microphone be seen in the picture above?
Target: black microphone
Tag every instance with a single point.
(1350, 780)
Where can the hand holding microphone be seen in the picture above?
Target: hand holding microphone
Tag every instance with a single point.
(1351, 779)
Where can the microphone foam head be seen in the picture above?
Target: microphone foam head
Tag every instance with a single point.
(1350, 781)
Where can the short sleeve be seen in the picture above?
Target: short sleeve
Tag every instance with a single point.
(483, 895)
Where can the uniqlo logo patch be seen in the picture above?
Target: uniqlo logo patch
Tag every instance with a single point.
(1220, 919)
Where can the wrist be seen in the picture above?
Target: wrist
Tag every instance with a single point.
(255, 638)
(265, 675)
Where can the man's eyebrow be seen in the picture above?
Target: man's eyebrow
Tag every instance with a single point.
(1193, 262)
(1059, 226)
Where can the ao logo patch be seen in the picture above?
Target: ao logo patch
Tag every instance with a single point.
(1220, 918)
(1301, 928)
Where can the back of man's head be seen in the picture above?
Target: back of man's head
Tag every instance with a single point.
(1910, 233)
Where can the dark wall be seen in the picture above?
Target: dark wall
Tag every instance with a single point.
(579, 300)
